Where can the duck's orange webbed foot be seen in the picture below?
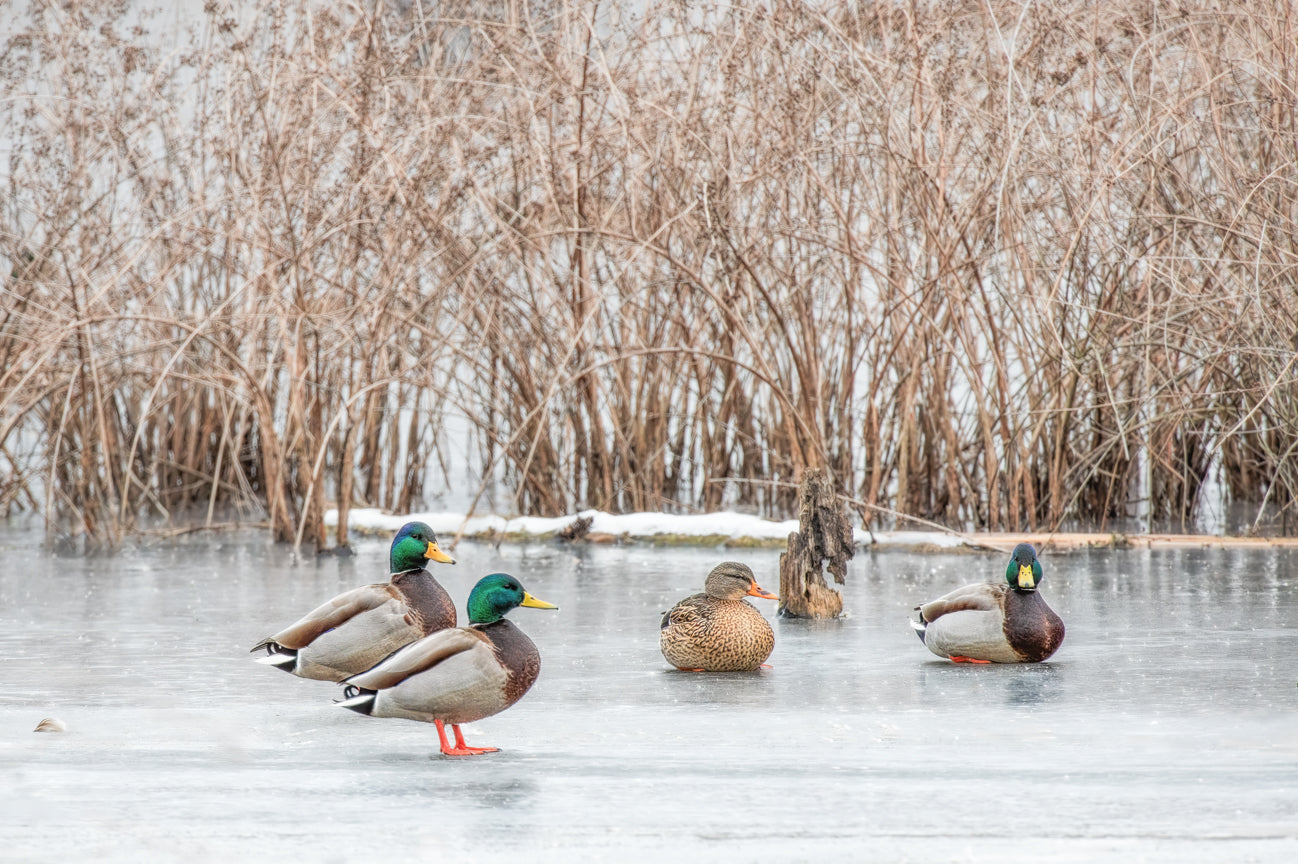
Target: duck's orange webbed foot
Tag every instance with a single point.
(956, 658)
(460, 748)
(469, 751)
(465, 748)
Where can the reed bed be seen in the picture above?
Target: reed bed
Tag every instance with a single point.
(993, 264)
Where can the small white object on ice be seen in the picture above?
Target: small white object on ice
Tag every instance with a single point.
(51, 724)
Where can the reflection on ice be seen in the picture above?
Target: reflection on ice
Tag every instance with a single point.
(1033, 686)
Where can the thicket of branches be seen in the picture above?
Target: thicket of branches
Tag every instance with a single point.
(994, 263)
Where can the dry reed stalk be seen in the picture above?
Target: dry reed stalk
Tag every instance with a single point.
(990, 265)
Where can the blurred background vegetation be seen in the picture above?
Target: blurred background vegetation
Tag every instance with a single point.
(996, 264)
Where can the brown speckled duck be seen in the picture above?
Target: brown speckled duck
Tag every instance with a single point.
(994, 622)
(358, 628)
(718, 630)
(458, 675)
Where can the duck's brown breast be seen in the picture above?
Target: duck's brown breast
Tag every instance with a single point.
(1031, 627)
(431, 608)
(517, 654)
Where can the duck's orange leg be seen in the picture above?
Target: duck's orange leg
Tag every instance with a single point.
(460, 748)
(956, 658)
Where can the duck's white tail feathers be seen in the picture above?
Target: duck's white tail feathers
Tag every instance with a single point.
(920, 626)
(357, 699)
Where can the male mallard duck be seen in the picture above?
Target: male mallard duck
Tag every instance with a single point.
(994, 622)
(358, 628)
(459, 675)
(718, 630)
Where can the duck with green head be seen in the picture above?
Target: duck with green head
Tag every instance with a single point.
(358, 628)
(994, 622)
(459, 675)
(718, 630)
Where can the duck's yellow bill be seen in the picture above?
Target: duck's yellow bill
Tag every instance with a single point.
(758, 591)
(1026, 579)
(529, 600)
(432, 553)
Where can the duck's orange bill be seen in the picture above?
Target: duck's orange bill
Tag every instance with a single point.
(432, 553)
(757, 591)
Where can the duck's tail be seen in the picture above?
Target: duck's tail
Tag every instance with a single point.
(358, 699)
(920, 625)
(276, 655)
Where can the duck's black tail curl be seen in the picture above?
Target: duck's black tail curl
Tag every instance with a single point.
(920, 626)
(357, 699)
(276, 655)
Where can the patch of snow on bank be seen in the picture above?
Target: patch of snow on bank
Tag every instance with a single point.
(736, 526)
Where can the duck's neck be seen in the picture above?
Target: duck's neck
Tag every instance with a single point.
(1025, 601)
(400, 563)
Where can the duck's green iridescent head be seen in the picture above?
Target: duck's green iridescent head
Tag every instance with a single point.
(495, 595)
(1024, 572)
(413, 547)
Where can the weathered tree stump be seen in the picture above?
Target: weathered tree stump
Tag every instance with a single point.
(575, 530)
(823, 535)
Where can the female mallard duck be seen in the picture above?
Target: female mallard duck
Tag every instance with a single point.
(994, 622)
(358, 628)
(718, 630)
(459, 675)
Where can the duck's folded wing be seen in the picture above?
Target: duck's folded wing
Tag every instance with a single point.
(420, 655)
(331, 614)
(688, 614)
(980, 597)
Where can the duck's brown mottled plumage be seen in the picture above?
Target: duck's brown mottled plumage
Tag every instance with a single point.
(718, 631)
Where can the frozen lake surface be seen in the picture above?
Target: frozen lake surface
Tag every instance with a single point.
(1165, 729)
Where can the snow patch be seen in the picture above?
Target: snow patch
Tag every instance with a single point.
(733, 526)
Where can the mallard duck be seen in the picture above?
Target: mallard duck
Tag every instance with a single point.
(718, 630)
(994, 622)
(459, 675)
(358, 628)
